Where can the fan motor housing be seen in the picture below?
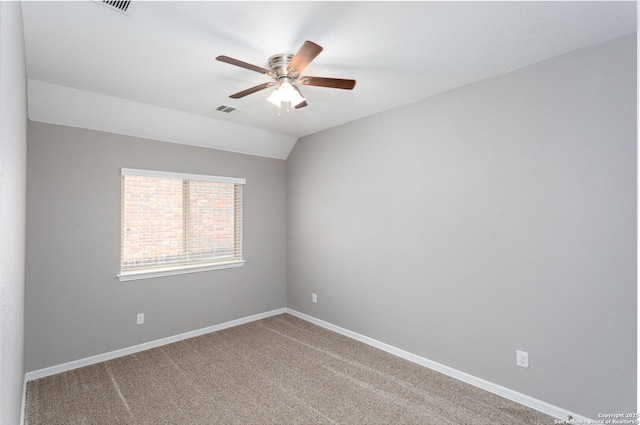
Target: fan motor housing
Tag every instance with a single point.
(279, 63)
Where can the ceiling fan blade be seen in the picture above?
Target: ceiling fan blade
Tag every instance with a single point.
(305, 55)
(252, 90)
(236, 62)
(334, 83)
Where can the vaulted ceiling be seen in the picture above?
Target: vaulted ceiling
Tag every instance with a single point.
(152, 72)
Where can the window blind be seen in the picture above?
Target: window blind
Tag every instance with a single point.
(173, 220)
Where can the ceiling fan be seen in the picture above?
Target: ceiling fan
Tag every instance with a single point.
(285, 70)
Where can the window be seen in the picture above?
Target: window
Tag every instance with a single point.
(177, 223)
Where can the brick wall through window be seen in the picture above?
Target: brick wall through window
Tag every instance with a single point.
(170, 221)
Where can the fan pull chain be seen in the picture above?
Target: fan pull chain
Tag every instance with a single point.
(288, 108)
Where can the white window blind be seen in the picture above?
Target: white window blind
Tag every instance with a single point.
(179, 222)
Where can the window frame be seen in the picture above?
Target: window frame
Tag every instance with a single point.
(175, 269)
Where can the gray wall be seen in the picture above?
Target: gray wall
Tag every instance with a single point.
(495, 217)
(76, 307)
(13, 171)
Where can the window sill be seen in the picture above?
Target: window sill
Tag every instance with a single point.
(161, 272)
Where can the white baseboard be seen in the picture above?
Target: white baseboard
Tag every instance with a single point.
(41, 373)
(24, 400)
(541, 406)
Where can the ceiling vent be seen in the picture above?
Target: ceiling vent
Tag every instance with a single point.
(121, 6)
(230, 110)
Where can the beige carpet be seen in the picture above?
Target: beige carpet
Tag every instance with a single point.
(279, 370)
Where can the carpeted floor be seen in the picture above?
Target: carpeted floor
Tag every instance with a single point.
(279, 370)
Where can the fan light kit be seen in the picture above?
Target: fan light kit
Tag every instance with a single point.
(286, 95)
(285, 70)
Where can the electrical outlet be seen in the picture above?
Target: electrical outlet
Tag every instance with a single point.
(522, 359)
(140, 319)
(314, 298)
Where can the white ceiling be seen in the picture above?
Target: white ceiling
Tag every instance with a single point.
(154, 74)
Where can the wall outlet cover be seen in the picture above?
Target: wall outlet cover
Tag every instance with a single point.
(522, 359)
